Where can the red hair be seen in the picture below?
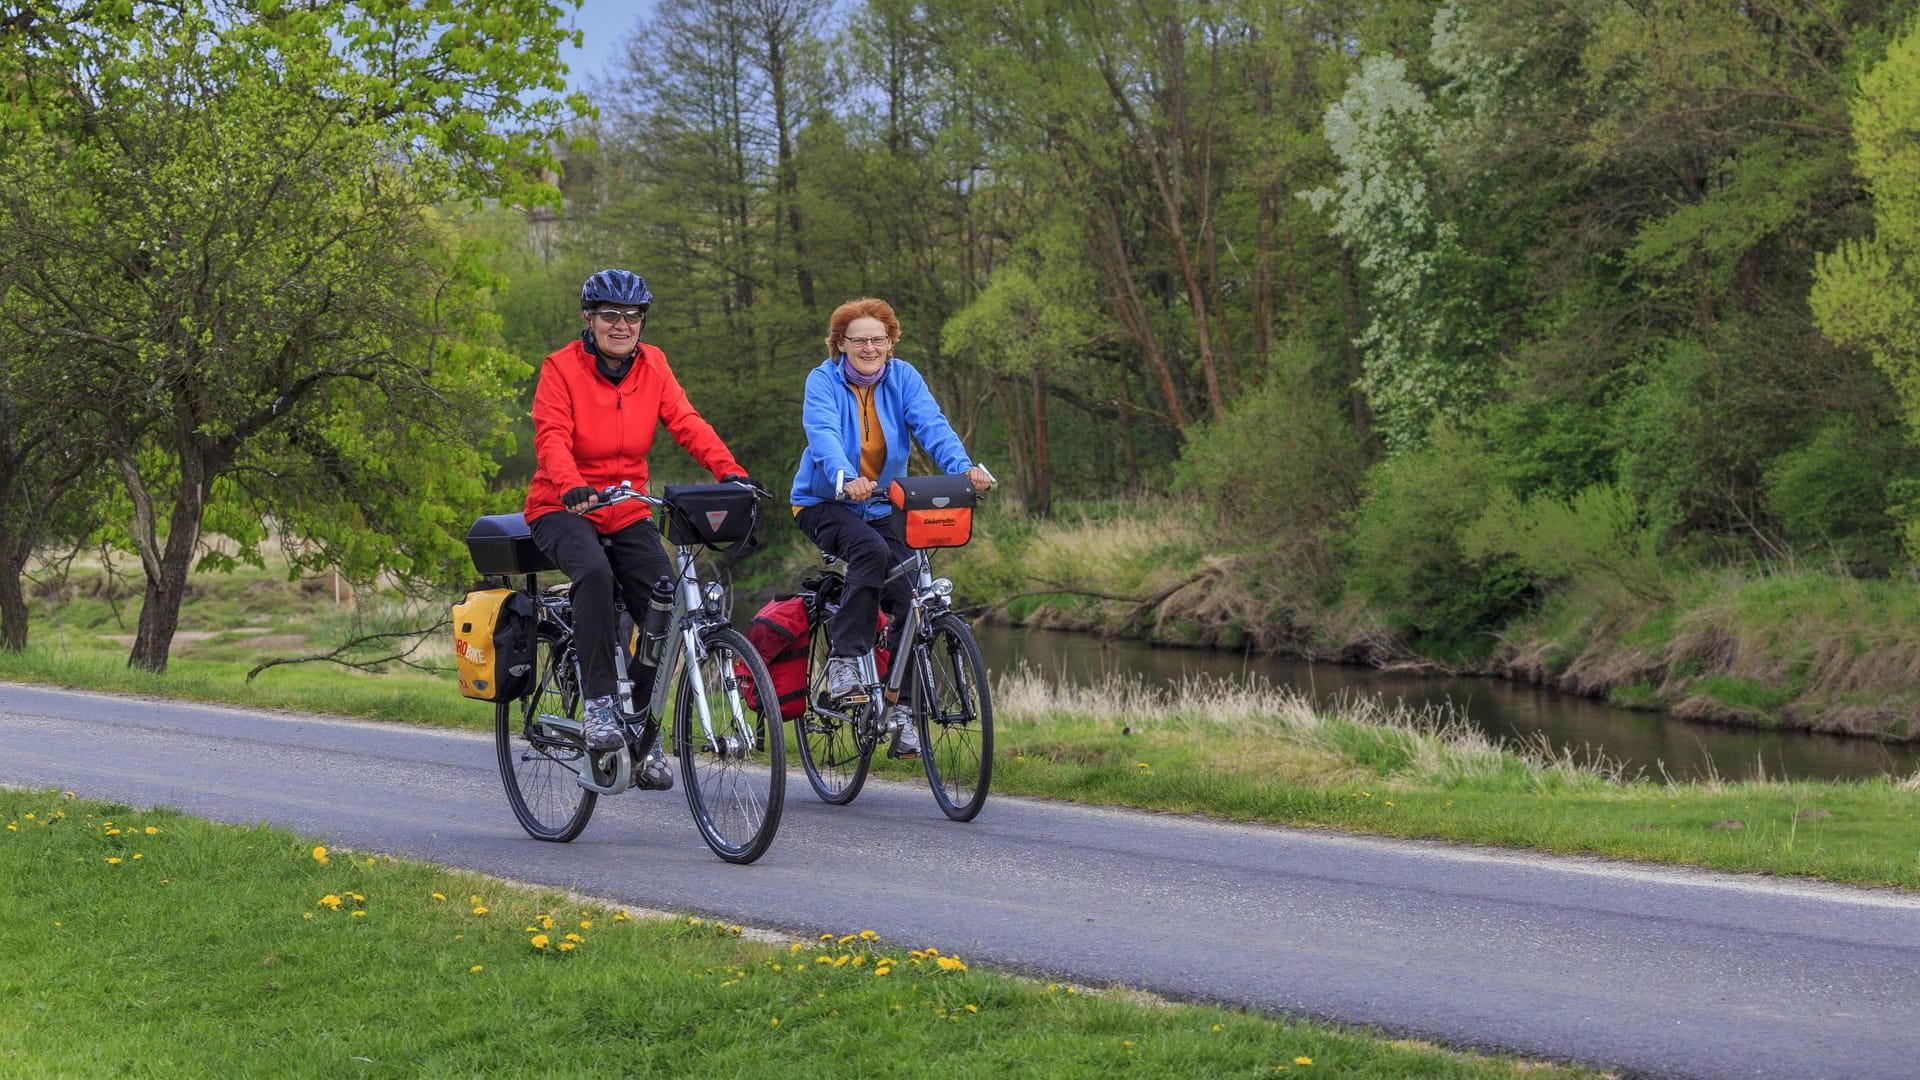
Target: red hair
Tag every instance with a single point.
(864, 307)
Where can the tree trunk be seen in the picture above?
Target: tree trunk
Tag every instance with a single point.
(1042, 469)
(167, 563)
(13, 598)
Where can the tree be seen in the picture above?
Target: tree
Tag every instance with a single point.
(1867, 292)
(224, 215)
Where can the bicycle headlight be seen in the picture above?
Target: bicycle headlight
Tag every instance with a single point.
(942, 587)
(716, 596)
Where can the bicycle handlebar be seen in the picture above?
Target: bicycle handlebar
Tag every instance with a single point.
(624, 491)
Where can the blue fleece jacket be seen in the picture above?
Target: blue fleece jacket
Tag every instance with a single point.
(832, 419)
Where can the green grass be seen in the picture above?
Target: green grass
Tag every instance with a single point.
(212, 950)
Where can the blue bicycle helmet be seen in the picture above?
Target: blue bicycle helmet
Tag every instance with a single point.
(622, 288)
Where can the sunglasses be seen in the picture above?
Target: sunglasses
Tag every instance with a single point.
(611, 316)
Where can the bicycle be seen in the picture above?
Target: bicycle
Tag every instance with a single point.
(734, 773)
(954, 721)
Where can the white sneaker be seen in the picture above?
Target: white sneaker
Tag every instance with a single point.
(843, 678)
(906, 737)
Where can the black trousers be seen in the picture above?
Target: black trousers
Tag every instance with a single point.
(869, 550)
(630, 560)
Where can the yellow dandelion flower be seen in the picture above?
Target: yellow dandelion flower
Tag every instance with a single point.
(1389, 802)
(474, 899)
(775, 1022)
(576, 938)
(538, 941)
(868, 935)
(973, 1008)
(694, 921)
(586, 924)
(60, 814)
(1217, 1029)
(476, 969)
(30, 817)
(357, 898)
(359, 914)
(823, 959)
(13, 826)
(1303, 1060)
(68, 795)
(1051, 987)
(306, 914)
(370, 862)
(777, 967)
(931, 951)
(320, 855)
(847, 938)
(480, 909)
(1128, 1043)
(823, 937)
(137, 855)
(882, 972)
(439, 896)
(952, 963)
(110, 832)
(841, 960)
(567, 946)
(113, 860)
(1141, 765)
(859, 960)
(151, 830)
(330, 902)
(622, 916)
(796, 947)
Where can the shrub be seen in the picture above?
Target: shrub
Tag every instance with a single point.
(1405, 554)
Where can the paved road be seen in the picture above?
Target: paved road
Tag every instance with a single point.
(1656, 972)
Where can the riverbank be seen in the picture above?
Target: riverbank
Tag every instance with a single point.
(1794, 648)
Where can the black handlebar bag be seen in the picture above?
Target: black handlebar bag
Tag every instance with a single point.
(716, 515)
(933, 511)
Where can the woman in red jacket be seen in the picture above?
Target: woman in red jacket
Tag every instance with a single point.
(598, 405)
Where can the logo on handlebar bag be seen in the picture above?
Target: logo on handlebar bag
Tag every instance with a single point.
(717, 518)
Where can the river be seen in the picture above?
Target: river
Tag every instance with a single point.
(1652, 742)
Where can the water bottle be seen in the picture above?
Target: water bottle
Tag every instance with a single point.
(653, 628)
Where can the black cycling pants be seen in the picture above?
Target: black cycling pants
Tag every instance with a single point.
(869, 550)
(631, 559)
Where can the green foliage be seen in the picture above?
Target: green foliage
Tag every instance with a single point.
(1835, 491)
(1283, 465)
(1407, 550)
(1597, 540)
(1868, 291)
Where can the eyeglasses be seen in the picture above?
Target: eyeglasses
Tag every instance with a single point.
(862, 342)
(611, 316)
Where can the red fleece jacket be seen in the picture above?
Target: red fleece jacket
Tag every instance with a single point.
(588, 431)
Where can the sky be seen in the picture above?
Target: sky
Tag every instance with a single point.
(605, 26)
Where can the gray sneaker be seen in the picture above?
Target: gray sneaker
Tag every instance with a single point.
(604, 731)
(843, 678)
(655, 773)
(906, 737)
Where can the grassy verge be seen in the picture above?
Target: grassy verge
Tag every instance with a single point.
(145, 942)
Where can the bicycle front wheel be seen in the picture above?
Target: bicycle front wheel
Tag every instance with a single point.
(736, 772)
(829, 750)
(540, 762)
(953, 710)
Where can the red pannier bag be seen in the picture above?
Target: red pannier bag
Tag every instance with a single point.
(781, 634)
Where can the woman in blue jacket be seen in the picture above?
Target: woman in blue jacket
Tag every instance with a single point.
(864, 410)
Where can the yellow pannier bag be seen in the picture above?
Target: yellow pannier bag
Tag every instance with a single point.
(493, 644)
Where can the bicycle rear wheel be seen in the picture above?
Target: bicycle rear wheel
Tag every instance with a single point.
(736, 779)
(953, 710)
(829, 751)
(540, 763)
